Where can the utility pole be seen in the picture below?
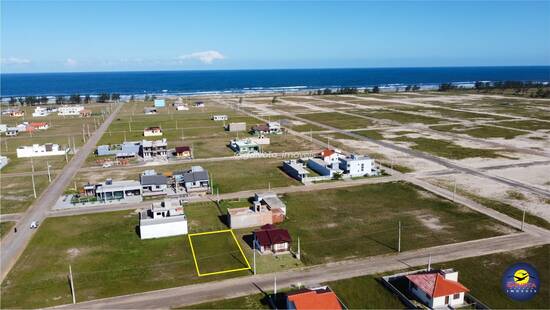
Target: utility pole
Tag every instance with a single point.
(83, 135)
(74, 146)
(523, 219)
(72, 284)
(254, 247)
(32, 176)
(299, 254)
(269, 186)
(88, 127)
(399, 237)
(429, 263)
(218, 195)
(49, 175)
(125, 135)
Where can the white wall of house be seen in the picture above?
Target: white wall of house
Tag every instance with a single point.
(357, 167)
(163, 230)
(69, 110)
(37, 150)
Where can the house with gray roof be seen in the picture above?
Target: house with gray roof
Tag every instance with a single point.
(194, 180)
(153, 184)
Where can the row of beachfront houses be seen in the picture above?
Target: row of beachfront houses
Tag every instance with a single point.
(331, 164)
(146, 149)
(191, 182)
(70, 110)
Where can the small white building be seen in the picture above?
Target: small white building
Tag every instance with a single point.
(220, 117)
(11, 131)
(235, 127)
(37, 150)
(163, 219)
(358, 166)
(3, 161)
(159, 103)
(40, 112)
(437, 288)
(70, 110)
(182, 107)
(152, 131)
(3, 128)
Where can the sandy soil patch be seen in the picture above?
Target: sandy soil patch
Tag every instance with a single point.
(483, 187)
(431, 222)
(538, 175)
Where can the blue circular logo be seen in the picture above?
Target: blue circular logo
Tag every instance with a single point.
(521, 282)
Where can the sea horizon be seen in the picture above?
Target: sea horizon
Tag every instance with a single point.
(188, 82)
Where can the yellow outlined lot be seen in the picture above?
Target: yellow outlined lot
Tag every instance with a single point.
(223, 271)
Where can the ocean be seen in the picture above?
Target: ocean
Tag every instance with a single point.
(242, 81)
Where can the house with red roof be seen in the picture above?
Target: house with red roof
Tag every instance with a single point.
(183, 151)
(314, 299)
(270, 239)
(40, 125)
(437, 288)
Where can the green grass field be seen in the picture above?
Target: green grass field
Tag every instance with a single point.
(17, 193)
(404, 118)
(217, 252)
(5, 227)
(338, 120)
(447, 149)
(362, 221)
(526, 125)
(482, 131)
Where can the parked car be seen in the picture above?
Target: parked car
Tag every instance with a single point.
(34, 224)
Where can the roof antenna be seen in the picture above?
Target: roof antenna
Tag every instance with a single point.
(429, 262)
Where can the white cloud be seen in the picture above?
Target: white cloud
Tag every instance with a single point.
(15, 61)
(206, 57)
(70, 62)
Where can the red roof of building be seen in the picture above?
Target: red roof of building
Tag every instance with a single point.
(39, 124)
(152, 128)
(327, 152)
(181, 149)
(435, 285)
(261, 127)
(269, 234)
(315, 299)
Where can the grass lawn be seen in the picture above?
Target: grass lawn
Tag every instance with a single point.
(447, 149)
(526, 125)
(306, 128)
(404, 118)
(482, 131)
(16, 195)
(217, 252)
(338, 120)
(373, 134)
(257, 301)
(107, 259)
(5, 228)
(362, 221)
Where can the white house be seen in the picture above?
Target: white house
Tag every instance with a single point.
(181, 107)
(3, 161)
(36, 150)
(3, 128)
(152, 131)
(40, 112)
(11, 131)
(70, 110)
(437, 288)
(220, 117)
(159, 103)
(163, 219)
(358, 166)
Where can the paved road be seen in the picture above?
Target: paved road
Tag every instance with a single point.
(236, 287)
(10, 217)
(226, 196)
(414, 153)
(13, 244)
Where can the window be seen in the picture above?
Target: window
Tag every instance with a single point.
(456, 296)
(446, 300)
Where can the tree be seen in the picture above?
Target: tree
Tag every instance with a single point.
(104, 97)
(115, 97)
(146, 98)
(240, 100)
(44, 100)
(75, 99)
(132, 98)
(87, 99)
(327, 91)
(21, 100)
(416, 87)
(376, 89)
(408, 88)
(13, 101)
(274, 100)
(59, 99)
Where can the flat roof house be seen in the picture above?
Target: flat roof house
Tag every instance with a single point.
(267, 208)
(153, 184)
(270, 239)
(220, 117)
(121, 191)
(181, 107)
(313, 298)
(153, 149)
(183, 151)
(164, 219)
(149, 111)
(295, 169)
(356, 166)
(152, 132)
(70, 110)
(267, 128)
(37, 150)
(11, 131)
(437, 288)
(244, 146)
(235, 127)
(40, 112)
(160, 103)
(127, 149)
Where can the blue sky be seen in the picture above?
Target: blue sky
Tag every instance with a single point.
(49, 36)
